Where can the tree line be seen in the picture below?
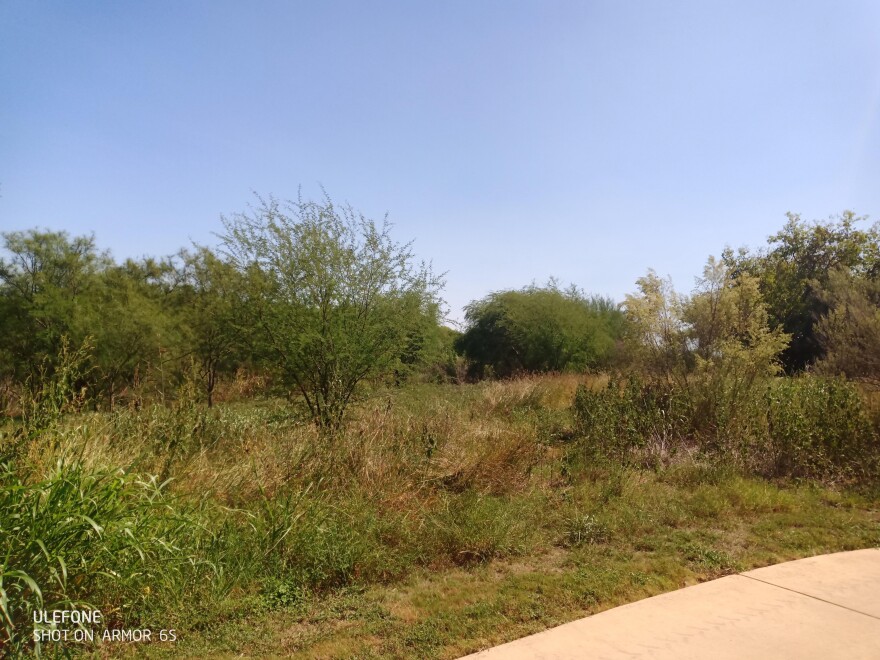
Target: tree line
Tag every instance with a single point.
(318, 300)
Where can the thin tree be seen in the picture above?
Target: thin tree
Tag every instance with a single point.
(334, 297)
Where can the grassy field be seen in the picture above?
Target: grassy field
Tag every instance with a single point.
(443, 520)
(632, 535)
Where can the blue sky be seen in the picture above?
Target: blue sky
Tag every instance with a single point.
(511, 140)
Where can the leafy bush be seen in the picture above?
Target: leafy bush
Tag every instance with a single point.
(713, 351)
(849, 333)
(629, 415)
(55, 391)
(798, 264)
(539, 329)
(819, 427)
(804, 427)
(334, 300)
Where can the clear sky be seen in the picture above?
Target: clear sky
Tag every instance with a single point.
(511, 140)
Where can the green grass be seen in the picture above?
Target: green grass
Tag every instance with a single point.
(658, 534)
(444, 520)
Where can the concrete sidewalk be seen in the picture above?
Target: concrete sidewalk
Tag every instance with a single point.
(824, 607)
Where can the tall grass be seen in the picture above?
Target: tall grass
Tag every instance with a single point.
(806, 427)
(97, 539)
(162, 509)
(149, 513)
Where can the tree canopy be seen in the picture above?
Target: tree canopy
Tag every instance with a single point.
(795, 266)
(539, 329)
(335, 299)
(850, 332)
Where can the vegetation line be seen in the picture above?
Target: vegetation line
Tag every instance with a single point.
(279, 448)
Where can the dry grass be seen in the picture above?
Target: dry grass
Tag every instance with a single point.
(443, 519)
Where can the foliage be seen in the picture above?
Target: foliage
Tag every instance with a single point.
(54, 287)
(809, 427)
(55, 392)
(437, 357)
(428, 349)
(655, 328)
(259, 523)
(538, 329)
(215, 328)
(133, 322)
(632, 415)
(89, 539)
(167, 506)
(734, 350)
(46, 287)
(849, 333)
(333, 296)
(795, 267)
(819, 428)
(714, 349)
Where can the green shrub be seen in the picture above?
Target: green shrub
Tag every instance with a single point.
(802, 427)
(819, 427)
(53, 391)
(632, 415)
(538, 329)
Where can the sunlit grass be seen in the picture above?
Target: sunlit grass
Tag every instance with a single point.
(443, 520)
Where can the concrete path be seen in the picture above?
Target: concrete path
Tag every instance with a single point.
(824, 607)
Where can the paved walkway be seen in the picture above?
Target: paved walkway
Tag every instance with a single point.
(824, 607)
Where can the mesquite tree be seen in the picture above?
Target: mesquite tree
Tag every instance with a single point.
(335, 299)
